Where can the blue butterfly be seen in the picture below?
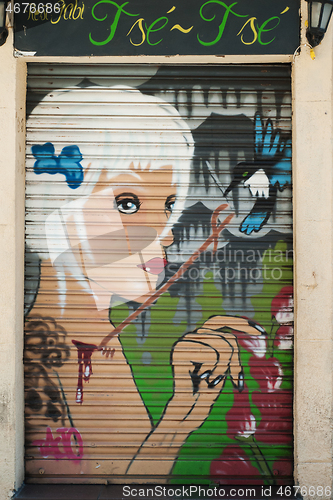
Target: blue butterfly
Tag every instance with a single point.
(67, 163)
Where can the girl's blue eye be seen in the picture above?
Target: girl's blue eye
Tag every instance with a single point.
(127, 207)
(128, 203)
(170, 203)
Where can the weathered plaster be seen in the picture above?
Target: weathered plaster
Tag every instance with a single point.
(12, 136)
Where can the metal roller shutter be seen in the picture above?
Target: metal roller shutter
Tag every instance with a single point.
(158, 293)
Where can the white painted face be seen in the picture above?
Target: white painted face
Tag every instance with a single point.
(114, 233)
(286, 314)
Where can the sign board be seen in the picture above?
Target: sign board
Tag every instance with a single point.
(149, 27)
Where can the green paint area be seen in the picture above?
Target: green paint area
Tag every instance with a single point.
(206, 443)
(277, 273)
(152, 371)
(150, 361)
(276, 263)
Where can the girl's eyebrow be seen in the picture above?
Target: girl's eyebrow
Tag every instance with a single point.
(127, 194)
(170, 197)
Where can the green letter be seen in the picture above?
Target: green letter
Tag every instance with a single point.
(150, 28)
(224, 21)
(262, 29)
(115, 21)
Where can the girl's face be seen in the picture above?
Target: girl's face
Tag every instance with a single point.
(124, 217)
(145, 198)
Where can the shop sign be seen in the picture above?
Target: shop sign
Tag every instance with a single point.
(148, 27)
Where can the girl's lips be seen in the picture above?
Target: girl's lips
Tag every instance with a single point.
(154, 266)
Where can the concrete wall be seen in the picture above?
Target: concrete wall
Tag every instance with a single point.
(313, 195)
(12, 168)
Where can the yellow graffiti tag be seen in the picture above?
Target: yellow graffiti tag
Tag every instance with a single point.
(285, 10)
(139, 23)
(253, 28)
(34, 15)
(171, 10)
(183, 30)
(70, 11)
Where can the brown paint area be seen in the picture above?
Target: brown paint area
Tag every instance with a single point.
(113, 246)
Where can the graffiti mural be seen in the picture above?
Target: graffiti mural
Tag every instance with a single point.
(159, 303)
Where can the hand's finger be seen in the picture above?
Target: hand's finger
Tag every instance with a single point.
(108, 352)
(194, 362)
(211, 358)
(231, 359)
(191, 351)
(201, 364)
(200, 333)
(228, 355)
(235, 323)
(258, 329)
